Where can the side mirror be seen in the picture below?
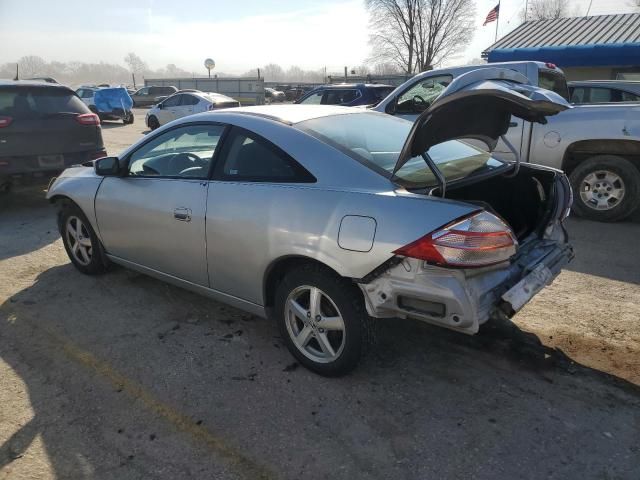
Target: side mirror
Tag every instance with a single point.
(160, 106)
(107, 166)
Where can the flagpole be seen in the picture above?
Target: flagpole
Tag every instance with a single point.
(497, 22)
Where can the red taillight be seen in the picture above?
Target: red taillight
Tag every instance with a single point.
(475, 241)
(88, 119)
(550, 65)
(5, 121)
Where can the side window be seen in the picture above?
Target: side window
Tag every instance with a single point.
(338, 97)
(313, 99)
(172, 101)
(630, 97)
(419, 96)
(578, 95)
(248, 157)
(143, 91)
(189, 100)
(601, 95)
(184, 152)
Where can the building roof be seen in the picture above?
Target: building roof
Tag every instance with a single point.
(596, 40)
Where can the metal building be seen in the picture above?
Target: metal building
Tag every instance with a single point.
(598, 47)
(248, 91)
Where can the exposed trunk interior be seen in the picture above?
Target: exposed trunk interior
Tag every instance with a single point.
(523, 201)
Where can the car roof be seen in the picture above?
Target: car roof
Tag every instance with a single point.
(31, 83)
(293, 113)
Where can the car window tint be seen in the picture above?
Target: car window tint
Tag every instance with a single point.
(184, 152)
(172, 101)
(419, 96)
(601, 95)
(36, 102)
(578, 95)
(313, 99)
(630, 97)
(338, 97)
(248, 157)
(189, 100)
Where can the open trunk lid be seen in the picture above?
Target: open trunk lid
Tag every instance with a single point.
(479, 105)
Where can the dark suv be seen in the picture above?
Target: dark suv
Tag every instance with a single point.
(347, 94)
(44, 128)
(151, 95)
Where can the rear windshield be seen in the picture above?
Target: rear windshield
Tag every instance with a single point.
(554, 81)
(23, 102)
(376, 139)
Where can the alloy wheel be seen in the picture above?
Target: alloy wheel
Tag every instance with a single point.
(602, 190)
(79, 240)
(315, 324)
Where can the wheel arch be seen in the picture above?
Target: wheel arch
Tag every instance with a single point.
(581, 150)
(278, 268)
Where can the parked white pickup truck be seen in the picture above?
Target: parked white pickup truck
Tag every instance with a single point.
(598, 146)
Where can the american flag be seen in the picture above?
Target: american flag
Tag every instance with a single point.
(492, 16)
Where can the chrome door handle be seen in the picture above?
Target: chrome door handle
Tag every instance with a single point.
(182, 214)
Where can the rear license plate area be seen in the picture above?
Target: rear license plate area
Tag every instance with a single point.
(51, 161)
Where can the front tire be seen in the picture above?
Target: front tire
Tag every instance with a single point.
(80, 241)
(323, 320)
(153, 123)
(606, 188)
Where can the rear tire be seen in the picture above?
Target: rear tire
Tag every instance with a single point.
(328, 336)
(80, 241)
(606, 188)
(128, 119)
(153, 123)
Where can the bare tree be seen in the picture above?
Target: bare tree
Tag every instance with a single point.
(417, 34)
(273, 73)
(548, 10)
(32, 66)
(135, 63)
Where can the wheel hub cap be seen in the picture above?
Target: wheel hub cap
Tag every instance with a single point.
(314, 324)
(602, 190)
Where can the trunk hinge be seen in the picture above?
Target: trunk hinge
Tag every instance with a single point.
(438, 174)
(516, 154)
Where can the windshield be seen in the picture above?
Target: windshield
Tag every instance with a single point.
(376, 139)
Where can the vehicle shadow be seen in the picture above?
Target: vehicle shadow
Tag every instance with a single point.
(105, 358)
(605, 249)
(27, 221)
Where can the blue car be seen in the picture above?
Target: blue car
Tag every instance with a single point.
(113, 103)
(346, 94)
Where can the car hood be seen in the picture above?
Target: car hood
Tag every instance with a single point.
(479, 105)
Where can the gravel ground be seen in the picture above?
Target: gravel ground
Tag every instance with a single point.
(124, 377)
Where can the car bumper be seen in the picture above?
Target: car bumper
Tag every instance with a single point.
(22, 169)
(464, 299)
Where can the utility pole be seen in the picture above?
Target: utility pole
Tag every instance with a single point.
(258, 74)
(497, 22)
(345, 74)
(526, 9)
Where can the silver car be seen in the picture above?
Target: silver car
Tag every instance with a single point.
(185, 103)
(326, 218)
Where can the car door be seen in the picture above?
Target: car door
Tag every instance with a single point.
(170, 109)
(154, 216)
(188, 105)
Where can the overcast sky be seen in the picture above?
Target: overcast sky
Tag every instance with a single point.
(238, 35)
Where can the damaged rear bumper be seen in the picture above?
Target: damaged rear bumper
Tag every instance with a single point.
(464, 299)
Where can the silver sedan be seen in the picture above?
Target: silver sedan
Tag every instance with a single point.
(325, 219)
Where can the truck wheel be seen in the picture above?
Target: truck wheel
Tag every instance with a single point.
(323, 320)
(128, 119)
(153, 123)
(606, 188)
